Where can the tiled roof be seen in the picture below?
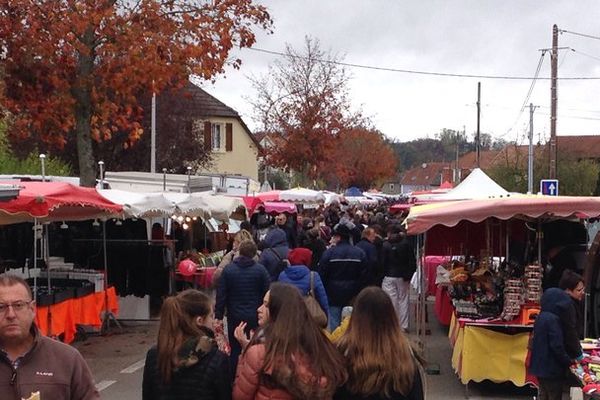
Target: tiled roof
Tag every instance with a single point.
(202, 104)
(469, 160)
(580, 146)
(426, 174)
(194, 101)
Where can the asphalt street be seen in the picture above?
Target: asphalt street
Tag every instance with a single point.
(117, 362)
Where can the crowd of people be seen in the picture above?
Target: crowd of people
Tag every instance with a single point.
(313, 308)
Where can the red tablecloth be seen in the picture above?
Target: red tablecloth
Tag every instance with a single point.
(443, 305)
(431, 263)
(66, 315)
(203, 278)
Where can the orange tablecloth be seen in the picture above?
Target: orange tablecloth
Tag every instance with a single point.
(66, 315)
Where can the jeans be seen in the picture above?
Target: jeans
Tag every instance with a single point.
(335, 317)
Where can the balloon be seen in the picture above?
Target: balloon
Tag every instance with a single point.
(187, 267)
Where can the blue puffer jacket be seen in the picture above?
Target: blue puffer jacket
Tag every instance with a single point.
(549, 359)
(343, 269)
(275, 242)
(299, 276)
(241, 289)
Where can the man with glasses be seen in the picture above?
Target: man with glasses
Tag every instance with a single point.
(30, 363)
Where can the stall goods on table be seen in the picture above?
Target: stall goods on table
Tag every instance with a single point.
(588, 369)
(494, 290)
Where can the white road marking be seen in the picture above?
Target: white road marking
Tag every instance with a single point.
(100, 386)
(134, 367)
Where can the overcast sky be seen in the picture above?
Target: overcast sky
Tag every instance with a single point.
(477, 37)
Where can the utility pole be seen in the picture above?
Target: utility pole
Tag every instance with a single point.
(553, 101)
(530, 158)
(478, 139)
(153, 132)
(456, 165)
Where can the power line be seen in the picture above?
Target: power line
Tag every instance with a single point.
(579, 34)
(585, 54)
(534, 80)
(417, 72)
(574, 117)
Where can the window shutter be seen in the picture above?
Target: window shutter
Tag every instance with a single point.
(207, 136)
(228, 137)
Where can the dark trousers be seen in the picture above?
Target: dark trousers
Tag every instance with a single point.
(236, 349)
(550, 388)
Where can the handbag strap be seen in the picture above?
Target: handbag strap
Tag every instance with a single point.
(312, 284)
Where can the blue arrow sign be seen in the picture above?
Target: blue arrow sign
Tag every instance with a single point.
(549, 187)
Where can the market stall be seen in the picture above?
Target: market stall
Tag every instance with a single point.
(495, 274)
(57, 201)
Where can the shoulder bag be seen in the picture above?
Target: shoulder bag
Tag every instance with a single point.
(313, 306)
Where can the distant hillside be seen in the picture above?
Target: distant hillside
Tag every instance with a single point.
(441, 148)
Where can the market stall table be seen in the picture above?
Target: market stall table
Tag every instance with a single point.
(201, 279)
(496, 351)
(67, 314)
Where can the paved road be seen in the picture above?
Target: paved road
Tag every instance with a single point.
(117, 364)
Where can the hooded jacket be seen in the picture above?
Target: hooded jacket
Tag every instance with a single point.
(275, 242)
(202, 373)
(241, 289)
(549, 358)
(299, 276)
(55, 369)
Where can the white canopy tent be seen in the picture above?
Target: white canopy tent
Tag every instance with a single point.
(153, 205)
(302, 195)
(475, 186)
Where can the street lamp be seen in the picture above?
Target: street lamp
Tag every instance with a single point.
(43, 161)
(189, 174)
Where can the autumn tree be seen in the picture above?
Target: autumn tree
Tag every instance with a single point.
(73, 69)
(304, 98)
(363, 158)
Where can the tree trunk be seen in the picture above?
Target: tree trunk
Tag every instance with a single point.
(83, 114)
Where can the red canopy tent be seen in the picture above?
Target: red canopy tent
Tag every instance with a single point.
(56, 201)
(422, 218)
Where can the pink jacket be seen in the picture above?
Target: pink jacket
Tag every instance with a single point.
(247, 384)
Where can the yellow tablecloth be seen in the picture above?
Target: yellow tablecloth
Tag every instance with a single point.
(481, 353)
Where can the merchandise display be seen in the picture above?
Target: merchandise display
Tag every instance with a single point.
(491, 289)
(588, 369)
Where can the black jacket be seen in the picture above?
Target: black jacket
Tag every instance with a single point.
(398, 258)
(343, 270)
(241, 289)
(204, 374)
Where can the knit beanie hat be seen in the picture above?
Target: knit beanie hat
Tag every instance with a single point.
(300, 256)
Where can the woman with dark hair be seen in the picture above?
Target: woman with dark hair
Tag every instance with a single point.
(289, 357)
(185, 363)
(381, 364)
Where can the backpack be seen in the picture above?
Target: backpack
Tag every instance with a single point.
(282, 262)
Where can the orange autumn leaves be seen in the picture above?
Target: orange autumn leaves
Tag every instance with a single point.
(77, 67)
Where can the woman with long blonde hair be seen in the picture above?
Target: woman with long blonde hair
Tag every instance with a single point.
(381, 364)
(185, 363)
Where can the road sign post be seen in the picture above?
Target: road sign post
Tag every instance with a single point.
(549, 187)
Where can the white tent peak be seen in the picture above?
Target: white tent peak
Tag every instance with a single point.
(477, 185)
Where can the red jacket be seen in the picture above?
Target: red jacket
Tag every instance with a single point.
(247, 384)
